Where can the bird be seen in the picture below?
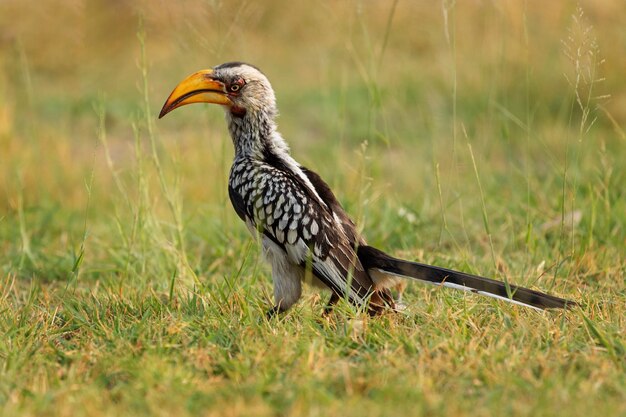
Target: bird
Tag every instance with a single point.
(301, 225)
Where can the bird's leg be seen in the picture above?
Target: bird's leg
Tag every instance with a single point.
(334, 299)
(380, 301)
(273, 312)
(287, 278)
(400, 287)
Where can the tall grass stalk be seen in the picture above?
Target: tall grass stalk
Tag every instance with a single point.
(369, 68)
(485, 216)
(582, 50)
(528, 129)
(80, 256)
(171, 194)
(26, 251)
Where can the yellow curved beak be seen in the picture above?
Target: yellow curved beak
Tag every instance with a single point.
(199, 87)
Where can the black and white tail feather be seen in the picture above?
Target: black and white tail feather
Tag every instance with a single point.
(372, 258)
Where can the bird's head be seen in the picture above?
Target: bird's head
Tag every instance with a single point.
(243, 89)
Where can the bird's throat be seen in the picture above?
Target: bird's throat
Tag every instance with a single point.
(237, 111)
(252, 132)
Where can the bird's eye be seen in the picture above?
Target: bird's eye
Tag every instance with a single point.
(234, 87)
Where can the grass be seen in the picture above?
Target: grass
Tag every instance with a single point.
(486, 138)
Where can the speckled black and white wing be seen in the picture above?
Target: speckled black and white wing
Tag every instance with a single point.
(284, 206)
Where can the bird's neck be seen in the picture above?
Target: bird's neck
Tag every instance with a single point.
(254, 134)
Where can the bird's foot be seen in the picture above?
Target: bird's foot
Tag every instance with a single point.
(334, 299)
(273, 312)
(400, 306)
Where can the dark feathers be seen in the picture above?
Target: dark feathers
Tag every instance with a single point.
(372, 258)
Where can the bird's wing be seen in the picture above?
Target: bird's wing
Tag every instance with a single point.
(339, 214)
(291, 215)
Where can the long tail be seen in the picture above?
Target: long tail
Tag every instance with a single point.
(372, 258)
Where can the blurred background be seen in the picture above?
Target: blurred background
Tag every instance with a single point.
(381, 97)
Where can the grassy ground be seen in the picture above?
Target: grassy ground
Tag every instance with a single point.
(476, 136)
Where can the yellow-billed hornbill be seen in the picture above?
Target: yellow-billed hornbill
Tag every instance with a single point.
(298, 219)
